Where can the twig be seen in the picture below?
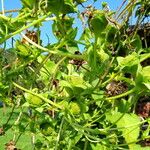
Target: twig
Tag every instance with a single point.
(9, 11)
(54, 50)
(120, 6)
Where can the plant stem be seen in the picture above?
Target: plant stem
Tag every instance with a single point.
(54, 50)
(122, 95)
(55, 71)
(5, 18)
(59, 133)
(105, 73)
(38, 95)
(10, 11)
(10, 116)
(20, 135)
(26, 27)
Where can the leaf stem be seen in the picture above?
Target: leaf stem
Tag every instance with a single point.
(54, 50)
(10, 11)
(55, 71)
(59, 133)
(13, 108)
(121, 95)
(28, 26)
(38, 95)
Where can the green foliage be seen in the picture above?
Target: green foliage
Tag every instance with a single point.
(98, 23)
(55, 96)
(128, 124)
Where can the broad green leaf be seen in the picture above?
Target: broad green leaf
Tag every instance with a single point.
(98, 146)
(23, 50)
(61, 6)
(80, 1)
(129, 124)
(128, 61)
(138, 147)
(143, 77)
(50, 66)
(102, 55)
(98, 23)
(111, 33)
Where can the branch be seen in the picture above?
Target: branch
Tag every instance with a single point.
(9, 11)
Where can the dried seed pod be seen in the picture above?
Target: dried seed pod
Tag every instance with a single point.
(55, 83)
(145, 142)
(143, 107)
(10, 146)
(76, 62)
(32, 35)
(145, 62)
(116, 88)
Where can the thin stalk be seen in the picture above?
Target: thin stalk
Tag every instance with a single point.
(120, 6)
(110, 79)
(121, 95)
(28, 26)
(20, 17)
(12, 111)
(147, 137)
(9, 11)
(85, 144)
(55, 71)
(38, 95)
(130, 4)
(59, 134)
(55, 49)
(105, 73)
(43, 62)
(20, 135)
(5, 17)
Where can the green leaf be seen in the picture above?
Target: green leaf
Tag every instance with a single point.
(23, 50)
(129, 124)
(143, 78)
(128, 61)
(86, 36)
(99, 147)
(136, 42)
(61, 6)
(102, 55)
(98, 23)
(111, 33)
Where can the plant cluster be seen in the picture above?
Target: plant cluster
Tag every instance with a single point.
(60, 97)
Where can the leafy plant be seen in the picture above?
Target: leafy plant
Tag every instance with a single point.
(60, 97)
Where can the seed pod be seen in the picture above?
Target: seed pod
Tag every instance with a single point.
(116, 88)
(143, 107)
(32, 35)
